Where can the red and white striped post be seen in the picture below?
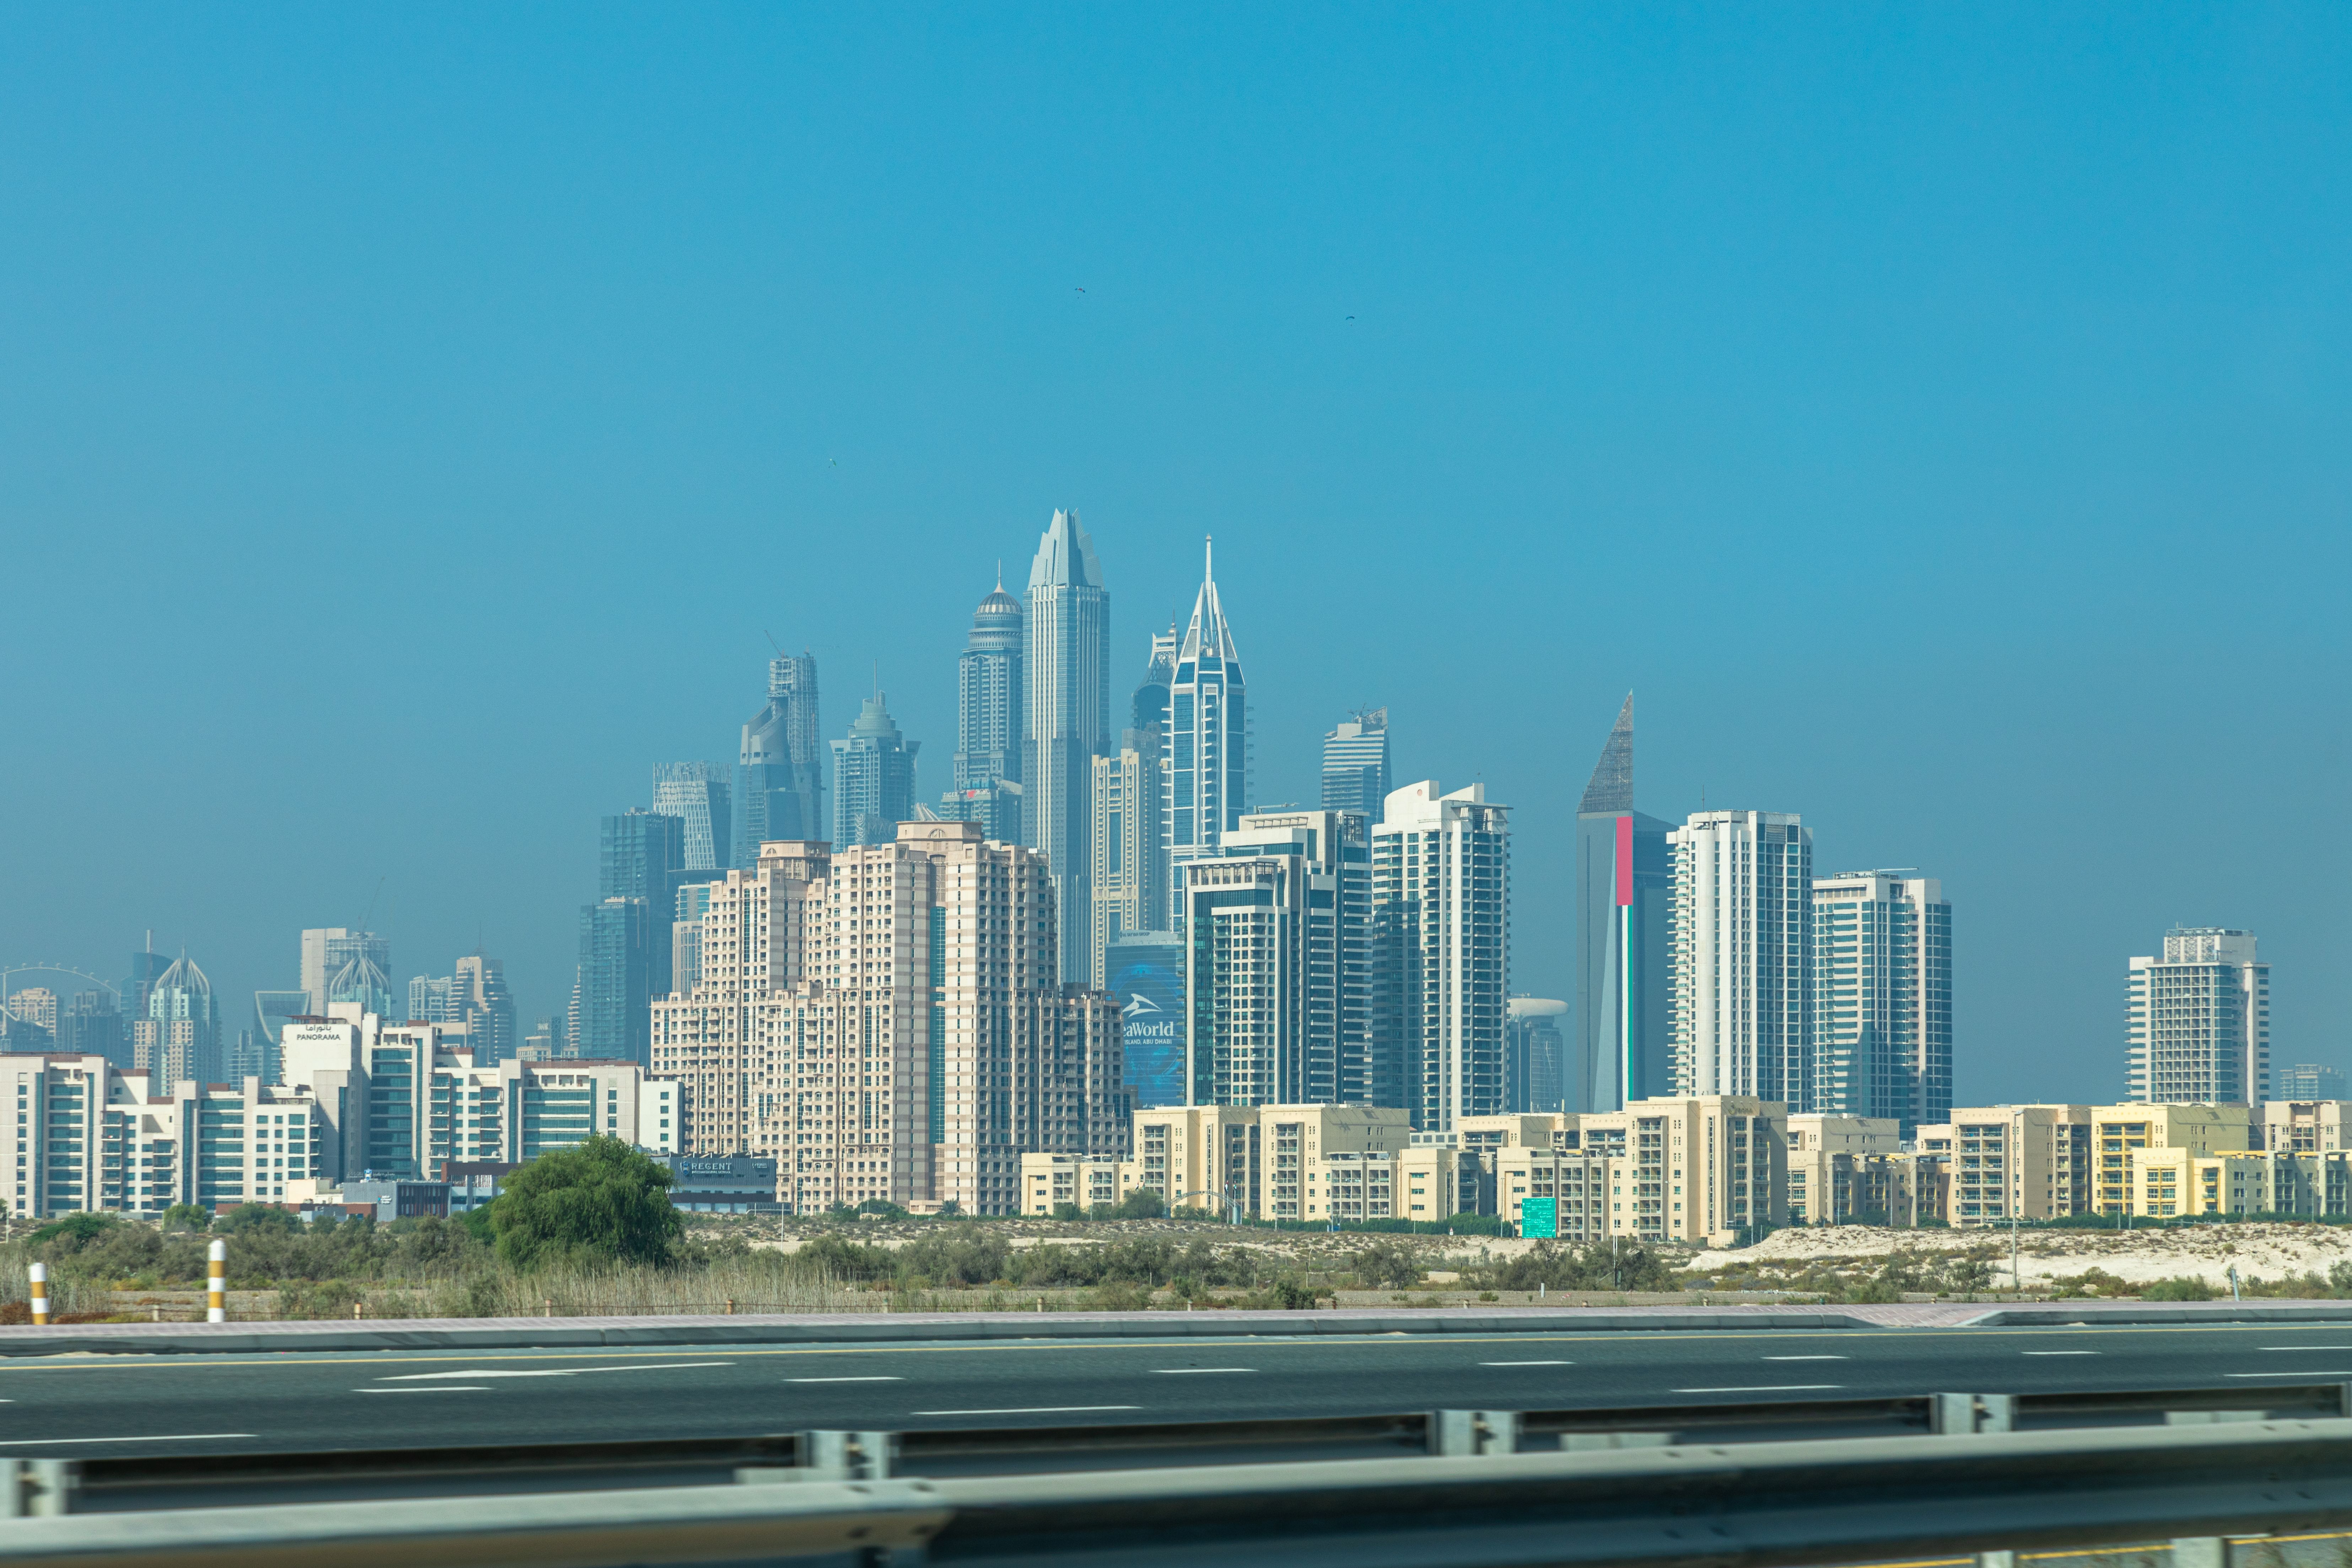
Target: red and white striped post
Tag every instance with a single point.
(216, 1284)
(40, 1292)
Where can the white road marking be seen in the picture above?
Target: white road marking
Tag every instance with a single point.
(1804, 1358)
(1178, 1371)
(845, 1379)
(1030, 1410)
(542, 1372)
(2306, 1373)
(2307, 1347)
(437, 1388)
(1527, 1364)
(2059, 1353)
(1761, 1388)
(171, 1437)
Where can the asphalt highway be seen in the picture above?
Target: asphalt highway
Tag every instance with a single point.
(113, 1405)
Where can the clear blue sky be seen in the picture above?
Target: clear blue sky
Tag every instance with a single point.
(413, 417)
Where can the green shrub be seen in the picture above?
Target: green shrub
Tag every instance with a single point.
(2180, 1288)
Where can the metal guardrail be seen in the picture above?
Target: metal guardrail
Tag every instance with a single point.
(1763, 1505)
(215, 1481)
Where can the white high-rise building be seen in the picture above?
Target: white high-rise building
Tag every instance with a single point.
(1739, 943)
(1882, 998)
(1441, 942)
(1276, 994)
(2198, 1022)
(1356, 763)
(1065, 699)
(1208, 736)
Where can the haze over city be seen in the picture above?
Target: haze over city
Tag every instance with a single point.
(421, 424)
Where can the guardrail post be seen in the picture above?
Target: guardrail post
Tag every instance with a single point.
(1458, 1432)
(40, 1273)
(2201, 1552)
(37, 1488)
(850, 1456)
(216, 1282)
(1949, 1412)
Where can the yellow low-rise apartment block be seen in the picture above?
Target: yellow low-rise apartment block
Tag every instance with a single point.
(1695, 1170)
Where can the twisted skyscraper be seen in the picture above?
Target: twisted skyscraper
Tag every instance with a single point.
(1067, 722)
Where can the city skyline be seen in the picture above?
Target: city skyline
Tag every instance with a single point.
(1990, 372)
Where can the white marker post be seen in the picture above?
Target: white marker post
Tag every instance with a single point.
(40, 1292)
(216, 1284)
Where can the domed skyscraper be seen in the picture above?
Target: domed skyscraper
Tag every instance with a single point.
(988, 721)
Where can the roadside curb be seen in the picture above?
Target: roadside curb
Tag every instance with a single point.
(878, 1328)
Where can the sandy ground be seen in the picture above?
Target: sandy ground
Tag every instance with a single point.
(2269, 1251)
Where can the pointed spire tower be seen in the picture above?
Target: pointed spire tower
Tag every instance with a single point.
(1208, 734)
(1620, 912)
(1611, 789)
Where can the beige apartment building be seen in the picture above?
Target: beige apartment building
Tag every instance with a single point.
(1694, 1169)
(1259, 1159)
(1836, 1170)
(2302, 1126)
(1311, 1163)
(911, 1043)
(2044, 1161)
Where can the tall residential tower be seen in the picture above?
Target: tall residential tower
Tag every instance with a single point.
(988, 722)
(1740, 932)
(1356, 764)
(1067, 701)
(2198, 1025)
(1882, 998)
(1441, 942)
(1208, 735)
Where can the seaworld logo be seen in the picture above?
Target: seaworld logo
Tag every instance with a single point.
(1142, 1014)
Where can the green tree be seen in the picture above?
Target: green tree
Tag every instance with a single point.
(603, 1201)
(187, 1217)
(258, 1216)
(1141, 1203)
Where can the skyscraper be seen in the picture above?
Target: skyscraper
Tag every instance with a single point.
(91, 1024)
(1441, 960)
(1208, 734)
(873, 779)
(780, 780)
(1149, 705)
(989, 714)
(615, 987)
(641, 855)
(340, 964)
(144, 969)
(1276, 991)
(480, 998)
(1883, 997)
(1621, 935)
(1127, 853)
(1739, 933)
(1356, 764)
(179, 1040)
(356, 974)
(697, 793)
(1066, 699)
(1536, 1065)
(2198, 1025)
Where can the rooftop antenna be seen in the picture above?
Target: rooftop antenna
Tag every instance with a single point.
(370, 907)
